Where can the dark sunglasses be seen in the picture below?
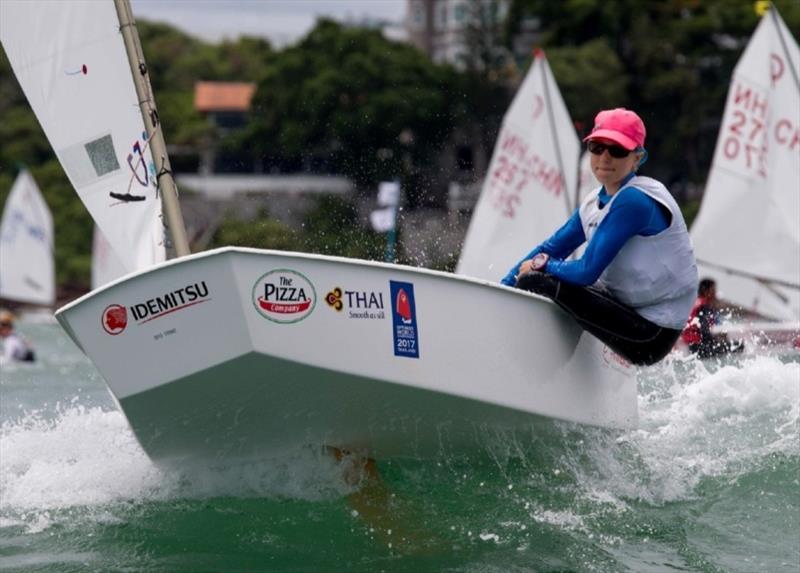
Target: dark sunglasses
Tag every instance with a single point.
(616, 151)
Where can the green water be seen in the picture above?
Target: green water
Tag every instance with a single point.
(709, 482)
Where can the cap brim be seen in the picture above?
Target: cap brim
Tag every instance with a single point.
(614, 136)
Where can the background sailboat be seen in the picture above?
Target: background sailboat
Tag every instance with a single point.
(27, 268)
(747, 233)
(531, 183)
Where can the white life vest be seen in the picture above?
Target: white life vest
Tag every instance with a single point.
(655, 275)
(14, 347)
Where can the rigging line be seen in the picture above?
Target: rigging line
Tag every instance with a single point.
(771, 288)
(142, 161)
(763, 280)
(554, 131)
(787, 55)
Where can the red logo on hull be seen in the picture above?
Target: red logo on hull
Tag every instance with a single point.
(284, 308)
(403, 307)
(115, 319)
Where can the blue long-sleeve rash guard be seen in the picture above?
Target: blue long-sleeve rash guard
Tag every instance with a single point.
(633, 213)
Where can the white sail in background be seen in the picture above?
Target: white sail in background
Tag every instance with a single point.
(747, 234)
(27, 271)
(106, 266)
(74, 70)
(530, 185)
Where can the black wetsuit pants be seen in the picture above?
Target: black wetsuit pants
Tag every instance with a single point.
(620, 327)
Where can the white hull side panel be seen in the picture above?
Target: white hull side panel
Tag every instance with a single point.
(217, 376)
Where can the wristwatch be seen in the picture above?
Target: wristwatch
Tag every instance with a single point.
(539, 261)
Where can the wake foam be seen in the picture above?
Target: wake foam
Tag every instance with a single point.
(84, 456)
(88, 458)
(696, 424)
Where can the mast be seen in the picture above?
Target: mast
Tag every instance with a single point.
(147, 104)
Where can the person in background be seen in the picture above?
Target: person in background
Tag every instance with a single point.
(635, 283)
(15, 348)
(705, 314)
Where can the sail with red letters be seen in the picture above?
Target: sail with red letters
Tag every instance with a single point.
(747, 233)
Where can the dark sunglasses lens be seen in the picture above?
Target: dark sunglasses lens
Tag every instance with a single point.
(618, 152)
(596, 148)
(615, 151)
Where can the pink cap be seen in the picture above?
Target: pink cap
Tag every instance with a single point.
(621, 126)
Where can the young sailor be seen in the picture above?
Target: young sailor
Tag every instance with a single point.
(636, 281)
(705, 314)
(15, 348)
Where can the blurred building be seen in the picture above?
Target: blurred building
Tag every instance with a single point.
(225, 105)
(471, 33)
(464, 33)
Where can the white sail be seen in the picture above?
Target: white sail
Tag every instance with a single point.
(747, 234)
(530, 185)
(73, 68)
(27, 270)
(106, 266)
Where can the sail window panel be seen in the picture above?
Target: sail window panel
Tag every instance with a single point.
(86, 163)
(101, 152)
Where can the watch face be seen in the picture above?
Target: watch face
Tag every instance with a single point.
(539, 261)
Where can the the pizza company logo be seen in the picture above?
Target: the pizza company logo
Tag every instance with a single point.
(115, 316)
(284, 296)
(115, 319)
(359, 303)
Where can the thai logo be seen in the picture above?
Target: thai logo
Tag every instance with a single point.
(284, 296)
(359, 303)
(115, 319)
(334, 299)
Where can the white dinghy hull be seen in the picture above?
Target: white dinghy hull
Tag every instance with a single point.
(241, 353)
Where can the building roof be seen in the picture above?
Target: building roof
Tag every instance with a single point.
(223, 96)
